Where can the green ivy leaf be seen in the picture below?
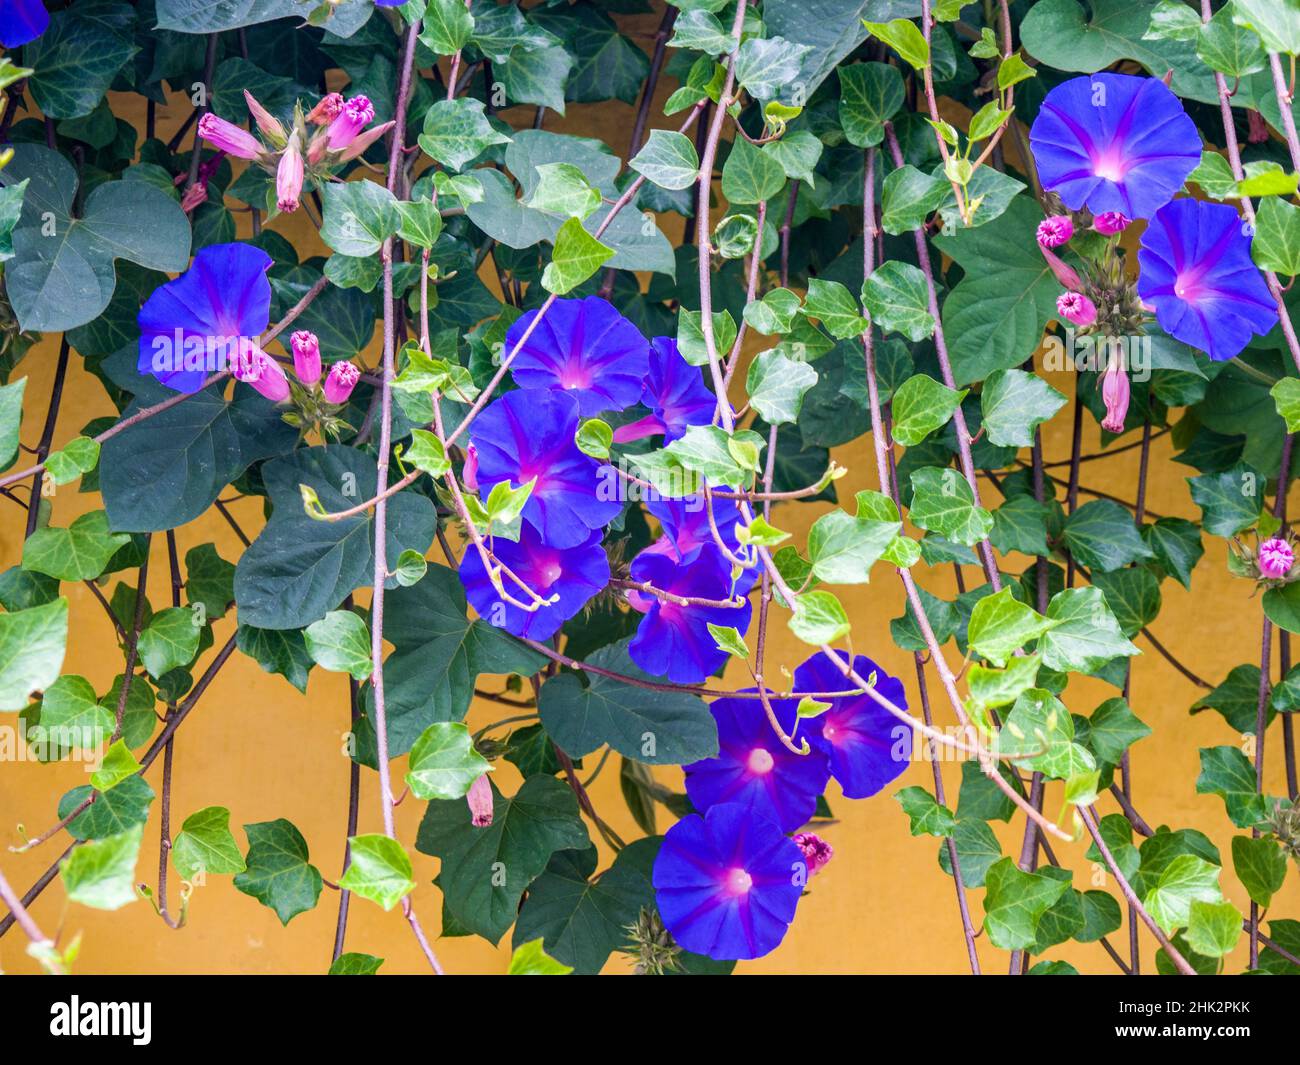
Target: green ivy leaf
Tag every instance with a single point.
(819, 618)
(750, 175)
(169, 641)
(1226, 772)
(777, 385)
(943, 502)
(1176, 544)
(340, 641)
(1015, 902)
(903, 36)
(32, 645)
(897, 299)
(927, 816)
(842, 548)
(1229, 500)
(1185, 880)
(1087, 635)
(277, 872)
(576, 257)
(764, 66)
(457, 131)
(668, 159)
(1015, 404)
(1101, 535)
(870, 95)
(1277, 23)
(358, 217)
(443, 762)
(529, 959)
(1113, 728)
(447, 26)
(921, 406)
(379, 869)
(1039, 734)
(101, 873)
(352, 963)
(1000, 625)
(78, 553)
(563, 189)
(205, 844)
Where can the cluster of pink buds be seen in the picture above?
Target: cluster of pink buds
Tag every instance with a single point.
(1271, 563)
(255, 367)
(1275, 559)
(300, 153)
(817, 853)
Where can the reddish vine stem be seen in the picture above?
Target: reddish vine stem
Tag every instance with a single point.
(354, 796)
(47, 438)
(165, 798)
(18, 912)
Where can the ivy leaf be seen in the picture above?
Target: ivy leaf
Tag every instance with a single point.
(76, 59)
(1237, 698)
(62, 274)
(819, 618)
(421, 224)
(379, 869)
(943, 502)
(1176, 544)
(101, 873)
(580, 922)
(70, 710)
(209, 580)
(668, 159)
(657, 728)
(1213, 928)
(1185, 880)
(1014, 903)
(340, 641)
(920, 407)
(908, 197)
(117, 765)
(205, 844)
(1020, 524)
(32, 645)
(1087, 635)
(1261, 867)
(750, 175)
(764, 65)
(169, 641)
(708, 450)
(977, 850)
(776, 386)
(280, 651)
(79, 456)
(351, 963)
(1226, 772)
(443, 762)
(897, 299)
(904, 38)
(1278, 24)
(530, 959)
(1230, 48)
(1039, 734)
(11, 416)
(798, 153)
(843, 548)
(834, 306)
(1000, 625)
(576, 257)
(111, 812)
(1113, 728)
(1016, 403)
(536, 75)
(870, 95)
(447, 26)
(991, 688)
(927, 816)
(563, 189)
(78, 553)
(457, 131)
(690, 335)
(1229, 500)
(358, 217)
(701, 31)
(486, 870)
(277, 872)
(1101, 535)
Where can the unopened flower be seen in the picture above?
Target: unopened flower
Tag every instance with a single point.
(1063, 272)
(255, 367)
(1276, 557)
(469, 472)
(326, 109)
(194, 196)
(1114, 142)
(1198, 273)
(340, 382)
(816, 851)
(306, 356)
(266, 122)
(230, 138)
(1055, 230)
(1076, 308)
(351, 119)
(1109, 223)
(364, 140)
(1115, 394)
(480, 802)
(288, 177)
(1258, 128)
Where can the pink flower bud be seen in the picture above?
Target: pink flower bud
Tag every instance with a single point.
(195, 195)
(1055, 230)
(306, 356)
(1076, 308)
(480, 802)
(817, 853)
(288, 178)
(255, 367)
(469, 474)
(365, 140)
(1276, 558)
(326, 110)
(356, 114)
(266, 122)
(1064, 274)
(1109, 223)
(318, 146)
(229, 137)
(1258, 131)
(1115, 394)
(340, 382)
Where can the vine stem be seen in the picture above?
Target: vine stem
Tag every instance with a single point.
(165, 798)
(945, 369)
(25, 920)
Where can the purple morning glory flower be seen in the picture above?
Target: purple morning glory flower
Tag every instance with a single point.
(867, 746)
(529, 433)
(727, 884)
(1198, 274)
(676, 394)
(586, 348)
(22, 21)
(1114, 142)
(575, 574)
(191, 327)
(685, 523)
(753, 768)
(672, 640)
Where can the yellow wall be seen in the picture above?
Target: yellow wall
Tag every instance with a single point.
(255, 745)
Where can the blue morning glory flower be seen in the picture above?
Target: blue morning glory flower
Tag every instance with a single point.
(1198, 274)
(685, 523)
(753, 768)
(1114, 142)
(672, 640)
(675, 393)
(192, 327)
(529, 433)
(583, 347)
(727, 883)
(867, 746)
(22, 21)
(574, 574)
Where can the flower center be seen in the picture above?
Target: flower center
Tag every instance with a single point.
(550, 574)
(760, 761)
(1188, 286)
(738, 882)
(1110, 165)
(575, 375)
